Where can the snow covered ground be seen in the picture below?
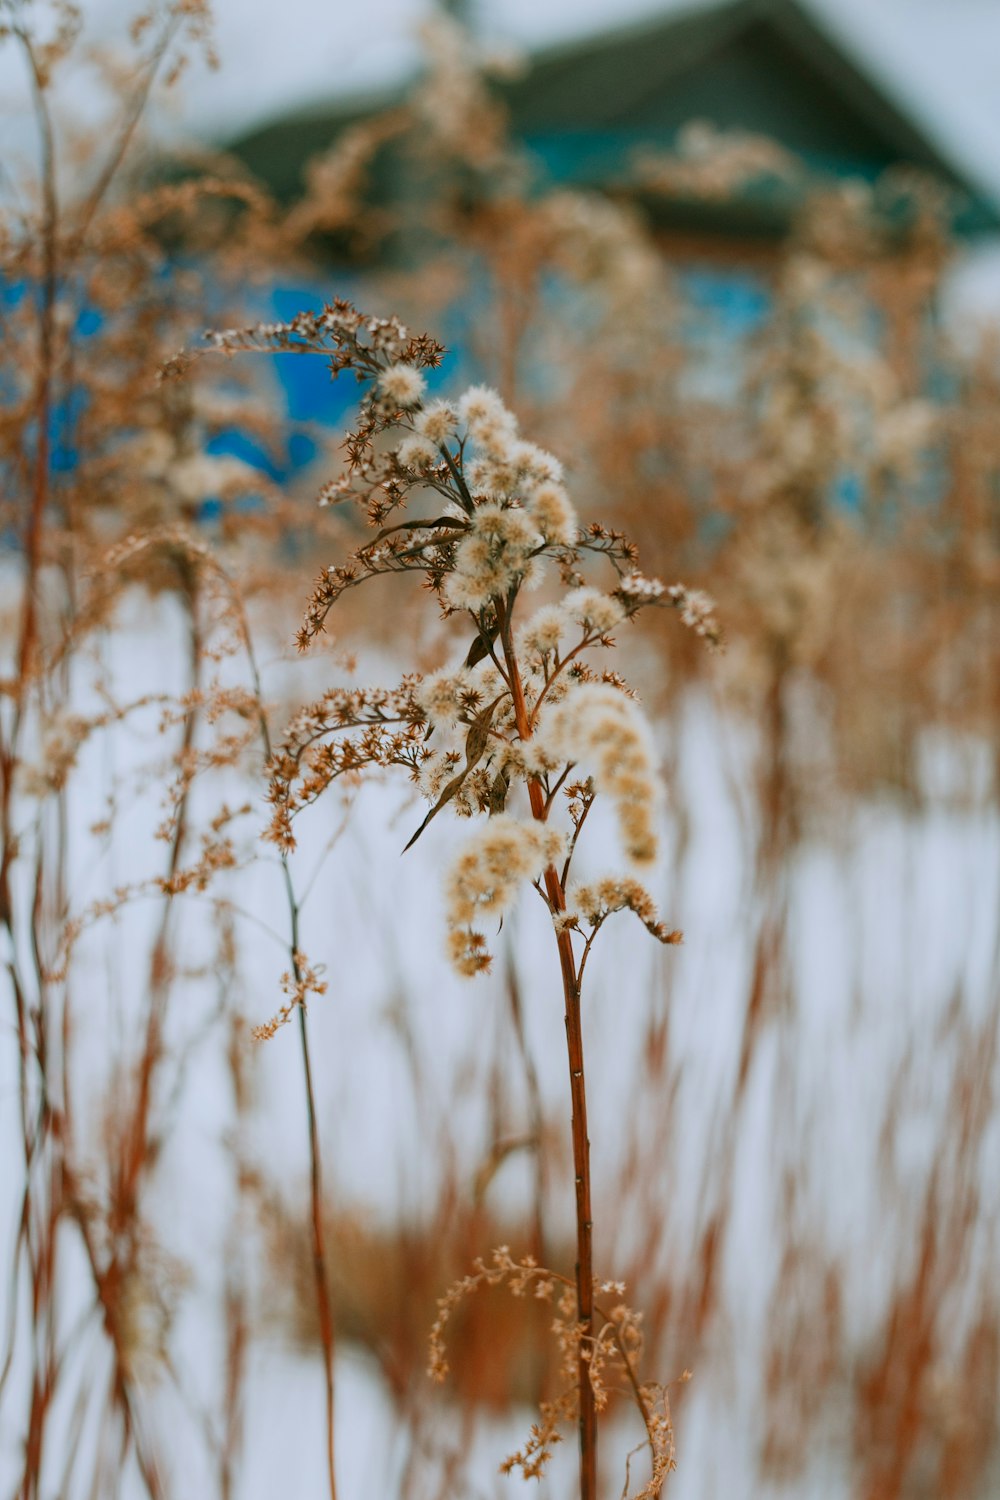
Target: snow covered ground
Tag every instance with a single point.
(891, 925)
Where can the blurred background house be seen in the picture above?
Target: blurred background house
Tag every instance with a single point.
(717, 123)
(767, 68)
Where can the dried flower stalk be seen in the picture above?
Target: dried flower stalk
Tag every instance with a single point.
(517, 717)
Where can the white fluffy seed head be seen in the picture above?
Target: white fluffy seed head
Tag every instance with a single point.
(598, 898)
(553, 513)
(436, 770)
(437, 422)
(543, 632)
(493, 555)
(486, 680)
(605, 732)
(537, 465)
(493, 478)
(481, 403)
(417, 452)
(489, 423)
(402, 385)
(497, 440)
(484, 880)
(593, 609)
(440, 695)
(506, 526)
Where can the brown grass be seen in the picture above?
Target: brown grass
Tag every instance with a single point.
(859, 638)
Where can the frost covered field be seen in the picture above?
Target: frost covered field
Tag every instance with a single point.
(791, 1115)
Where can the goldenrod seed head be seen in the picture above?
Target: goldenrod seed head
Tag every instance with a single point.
(402, 385)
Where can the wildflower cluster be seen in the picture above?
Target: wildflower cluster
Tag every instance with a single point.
(594, 903)
(611, 1355)
(297, 984)
(606, 731)
(485, 880)
(489, 513)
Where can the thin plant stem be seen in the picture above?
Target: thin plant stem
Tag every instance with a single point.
(578, 1093)
(324, 1305)
(537, 1114)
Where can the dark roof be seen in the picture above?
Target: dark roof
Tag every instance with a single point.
(766, 66)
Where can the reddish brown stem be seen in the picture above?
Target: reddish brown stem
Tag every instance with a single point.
(578, 1094)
